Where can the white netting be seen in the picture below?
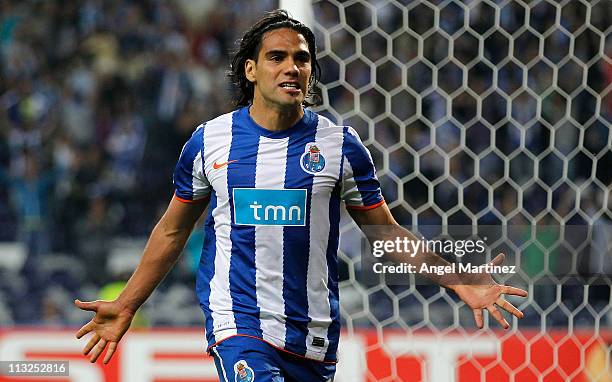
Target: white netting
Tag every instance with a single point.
(481, 112)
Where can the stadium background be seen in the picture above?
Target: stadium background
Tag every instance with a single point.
(476, 112)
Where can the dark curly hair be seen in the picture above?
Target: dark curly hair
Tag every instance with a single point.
(249, 47)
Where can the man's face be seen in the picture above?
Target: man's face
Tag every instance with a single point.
(282, 70)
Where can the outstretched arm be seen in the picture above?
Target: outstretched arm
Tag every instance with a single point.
(480, 292)
(113, 318)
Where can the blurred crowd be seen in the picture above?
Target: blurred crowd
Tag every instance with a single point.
(98, 97)
(96, 101)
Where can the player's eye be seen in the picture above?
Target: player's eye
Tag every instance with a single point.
(302, 58)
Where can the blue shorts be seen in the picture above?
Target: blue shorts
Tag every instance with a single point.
(246, 359)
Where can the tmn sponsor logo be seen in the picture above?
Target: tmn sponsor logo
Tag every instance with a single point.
(256, 206)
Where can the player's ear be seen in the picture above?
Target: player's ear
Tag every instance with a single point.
(249, 70)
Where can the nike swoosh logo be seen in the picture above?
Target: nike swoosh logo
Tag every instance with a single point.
(217, 166)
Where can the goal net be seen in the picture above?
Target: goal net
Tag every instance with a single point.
(480, 113)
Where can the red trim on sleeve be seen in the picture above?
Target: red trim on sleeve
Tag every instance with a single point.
(191, 201)
(365, 208)
(271, 344)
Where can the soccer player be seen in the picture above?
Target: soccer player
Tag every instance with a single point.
(273, 175)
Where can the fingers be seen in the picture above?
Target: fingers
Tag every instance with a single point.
(88, 327)
(514, 291)
(91, 343)
(109, 353)
(498, 316)
(91, 306)
(96, 346)
(478, 318)
(509, 308)
(97, 350)
(499, 259)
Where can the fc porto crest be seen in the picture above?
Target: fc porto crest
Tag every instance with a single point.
(242, 372)
(312, 161)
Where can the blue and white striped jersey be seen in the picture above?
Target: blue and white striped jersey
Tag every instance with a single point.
(269, 267)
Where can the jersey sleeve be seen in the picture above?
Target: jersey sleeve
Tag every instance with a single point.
(360, 186)
(190, 182)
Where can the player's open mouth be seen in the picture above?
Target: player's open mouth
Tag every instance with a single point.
(292, 88)
(290, 85)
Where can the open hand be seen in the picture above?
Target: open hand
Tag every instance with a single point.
(485, 293)
(109, 324)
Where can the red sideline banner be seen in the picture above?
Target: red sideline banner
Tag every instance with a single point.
(178, 355)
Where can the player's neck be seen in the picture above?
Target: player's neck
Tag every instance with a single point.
(275, 119)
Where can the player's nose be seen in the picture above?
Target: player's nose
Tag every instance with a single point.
(292, 67)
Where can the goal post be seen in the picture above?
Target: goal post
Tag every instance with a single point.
(480, 113)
